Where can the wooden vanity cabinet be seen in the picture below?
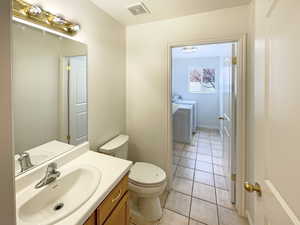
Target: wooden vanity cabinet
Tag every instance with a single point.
(114, 209)
(91, 220)
(120, 215)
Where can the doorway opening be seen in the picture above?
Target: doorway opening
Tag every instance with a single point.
(206, 85)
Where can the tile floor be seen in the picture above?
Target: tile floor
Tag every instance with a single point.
(200, 195)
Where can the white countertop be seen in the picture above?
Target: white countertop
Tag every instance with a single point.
(112, 169)
(44, 152)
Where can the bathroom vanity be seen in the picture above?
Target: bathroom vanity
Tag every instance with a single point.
(92, 189)
(114, 209)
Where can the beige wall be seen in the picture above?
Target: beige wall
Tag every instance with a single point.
(7, 194)
(106, 66)
(147, 73)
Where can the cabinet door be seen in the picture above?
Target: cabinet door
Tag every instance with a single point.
(91, 220)
(120, 215)
(111, 201)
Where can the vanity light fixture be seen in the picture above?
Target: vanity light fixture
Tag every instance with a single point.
(35, 14)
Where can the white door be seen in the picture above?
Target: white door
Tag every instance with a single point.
(78, 116)
(227, 117)
(277, 110)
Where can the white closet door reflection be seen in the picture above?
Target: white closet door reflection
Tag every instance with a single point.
(78, 116)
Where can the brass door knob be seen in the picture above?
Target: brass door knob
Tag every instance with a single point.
(221, 118)
(253, 188)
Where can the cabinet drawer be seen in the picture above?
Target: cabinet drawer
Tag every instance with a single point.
(111, 200)
(120, 215)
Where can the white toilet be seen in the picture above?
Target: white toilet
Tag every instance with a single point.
(146, 183)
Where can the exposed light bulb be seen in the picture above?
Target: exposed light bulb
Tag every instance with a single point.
(58, 20)
(75, 28)
(34, 11)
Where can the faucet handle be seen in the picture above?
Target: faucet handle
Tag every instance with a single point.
(25, 161)
(51, 175)
(23, 155)
(52, 169)
(20, 156)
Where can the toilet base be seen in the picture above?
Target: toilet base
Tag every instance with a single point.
(145, 211)
(150, 208)
(137, 219)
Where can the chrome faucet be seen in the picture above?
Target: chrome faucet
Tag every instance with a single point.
(25, 161)
(51, 175)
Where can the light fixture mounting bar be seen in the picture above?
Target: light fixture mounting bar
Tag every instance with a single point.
(37, 15)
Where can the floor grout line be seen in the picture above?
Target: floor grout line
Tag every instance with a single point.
(194, 172)
(212, 140)
(174, 211)
(176, 164)
(191, 195)
(218, 214)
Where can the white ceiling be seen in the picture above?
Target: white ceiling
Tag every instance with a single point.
(162, 9)
(211, 50)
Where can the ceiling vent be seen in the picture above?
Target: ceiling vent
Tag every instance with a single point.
(138, 9)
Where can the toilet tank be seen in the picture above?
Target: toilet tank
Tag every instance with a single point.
(117, 147)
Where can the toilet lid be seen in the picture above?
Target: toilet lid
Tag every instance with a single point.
(146, 173)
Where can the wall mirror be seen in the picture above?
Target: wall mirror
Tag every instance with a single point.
(49, 95)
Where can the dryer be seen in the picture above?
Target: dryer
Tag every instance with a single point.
(183, 124)
(195, 111)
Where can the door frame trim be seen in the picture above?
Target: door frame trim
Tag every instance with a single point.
(240, 116)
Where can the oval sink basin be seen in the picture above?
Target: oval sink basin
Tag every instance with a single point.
(59, 199)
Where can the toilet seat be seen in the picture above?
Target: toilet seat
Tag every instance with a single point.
(146, 175)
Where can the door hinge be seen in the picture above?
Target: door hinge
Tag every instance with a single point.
(68, 68)
(233, 177)
(68, 137)
(234, 60)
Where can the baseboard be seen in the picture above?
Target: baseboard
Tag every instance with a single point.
(250, 220)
